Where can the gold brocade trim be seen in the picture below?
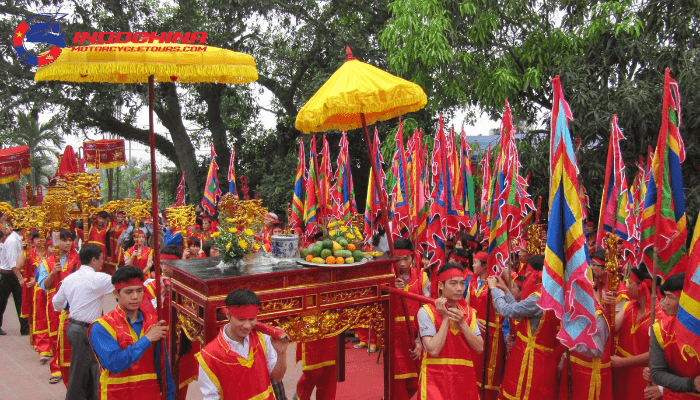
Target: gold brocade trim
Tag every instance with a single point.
(193, 329)
(329, 323)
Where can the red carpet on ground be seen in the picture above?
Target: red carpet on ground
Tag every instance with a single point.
(364, 378)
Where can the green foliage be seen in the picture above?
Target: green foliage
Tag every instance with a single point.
(43, 141)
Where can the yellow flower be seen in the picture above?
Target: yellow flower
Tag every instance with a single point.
(228, 246)
(249, 232)
(332, 224)
(350, 236)
(215, 234)
(256, 246)
(243, 244)
(332, 233)
(343, 229)
(230, 220)
(232, 230)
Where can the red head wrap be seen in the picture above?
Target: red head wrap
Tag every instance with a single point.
(472, 244)
(644, 288)
(598, 260)
(481, 256)
(590, 224)
(249, 311)
(130, 282)
(449, 274)
(168, 257)
(532, 283)
(140, 233)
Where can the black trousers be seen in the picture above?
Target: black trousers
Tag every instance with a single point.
(9, 284)
(84, 377)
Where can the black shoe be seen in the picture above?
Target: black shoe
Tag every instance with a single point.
(24, 333)
(2, 333)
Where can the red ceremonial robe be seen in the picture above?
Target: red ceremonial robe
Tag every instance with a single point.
(27, 272)
(632, 340)
(681, 359)
(54, 317)
(99, 237)
(140, 261)
(591, 378)
(450, 375)
(252, 379)
(139, 381)
(494, 342)
(318, 365)
(117, 250)
(531, 368)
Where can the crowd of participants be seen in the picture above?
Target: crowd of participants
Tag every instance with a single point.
(484, 336)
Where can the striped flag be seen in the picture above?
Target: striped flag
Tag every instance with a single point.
(464, 184)
(614, 176)
(664, 217)
(343, 191)
(311, 206)
(211, 187)
(373, 205)
(443, 201)
(484, 220)
(565, 286)
(401, 222)
(419, 205)
(180, 196)
(688, 329)
(324, 181)
(296, 217)
(232, 173)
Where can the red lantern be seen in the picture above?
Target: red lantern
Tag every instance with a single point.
(104, 153)
(14, 162)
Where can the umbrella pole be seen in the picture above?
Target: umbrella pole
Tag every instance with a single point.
(156, 229)
(389, 238)
(14, 189)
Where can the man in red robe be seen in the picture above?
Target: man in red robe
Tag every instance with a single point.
(140, 255)
(50, 275)
(118, 227)
(450, 337)
(318, 368)
(531, 369)
(99, 234)
(600, 280)
(490, 366)
(241, 361)
(124, 341)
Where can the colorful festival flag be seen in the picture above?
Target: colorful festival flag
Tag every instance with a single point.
(296, 218)
(344, 206)
(565, 286)
(373, 205)
(688, 329)
(401, 221)
(485, 211)
(664, 217)
(311, 206)
(443, 202)
(464, 185)
(232, 173)
(614, 176)
(419, 205)
(211, 188)
(180, 196)
(324, 182)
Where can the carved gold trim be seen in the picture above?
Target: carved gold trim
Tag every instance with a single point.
(340, 296)
(193, 329)
(281, 304)
(330, 323)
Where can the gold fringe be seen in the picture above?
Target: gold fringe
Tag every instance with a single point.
(8, 179)
(104, 165)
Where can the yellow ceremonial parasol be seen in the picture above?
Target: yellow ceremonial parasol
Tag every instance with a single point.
(357, 95)
(150, 62)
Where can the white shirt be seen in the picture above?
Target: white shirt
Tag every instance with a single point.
(84, 290)
(209, 389)
(11, 251)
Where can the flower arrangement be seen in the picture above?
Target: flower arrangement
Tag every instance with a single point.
(234, 238)
(336, 230)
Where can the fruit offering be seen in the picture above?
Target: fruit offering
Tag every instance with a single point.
(338, 248)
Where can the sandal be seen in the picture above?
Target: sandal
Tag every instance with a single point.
(44, 360)
(54, 379)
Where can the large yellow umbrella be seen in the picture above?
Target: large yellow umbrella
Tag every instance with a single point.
(357, 95)
(150, 62)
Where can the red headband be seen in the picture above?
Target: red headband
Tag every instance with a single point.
(481, 256)
(130, 282)
(601, 261)
(168, 257)
(449, 274)
(472, 244)
(140, 233)
(675, 292)
(460, 258)
(249, 311)
(404, 252)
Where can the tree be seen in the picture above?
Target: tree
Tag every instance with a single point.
(610, 55)
(43, 142)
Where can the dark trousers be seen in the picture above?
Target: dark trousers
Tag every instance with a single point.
(84, 369)
(9, 284)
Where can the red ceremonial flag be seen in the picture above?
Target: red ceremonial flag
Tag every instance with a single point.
(324, 182)
(296, 219)
(180, 196)
(211, 188)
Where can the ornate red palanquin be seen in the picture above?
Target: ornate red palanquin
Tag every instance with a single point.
(308, 303)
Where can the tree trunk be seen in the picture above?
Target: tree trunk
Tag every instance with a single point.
(168, 109)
